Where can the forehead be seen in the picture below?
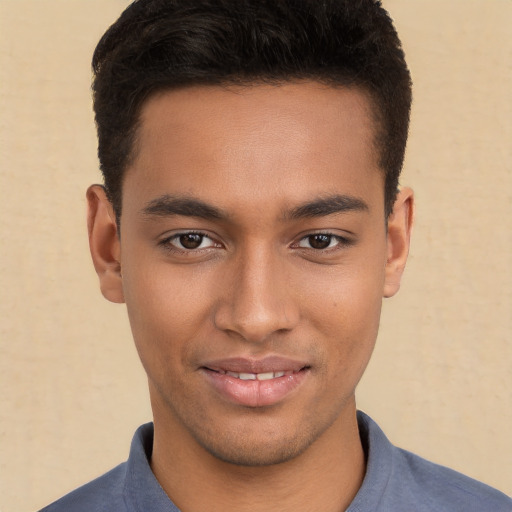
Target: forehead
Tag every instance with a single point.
(241, 143)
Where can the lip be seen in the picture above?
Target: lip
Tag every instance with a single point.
(255, 393)
(250, 365)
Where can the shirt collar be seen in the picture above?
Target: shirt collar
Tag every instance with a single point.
(379, 465)
(143, 493)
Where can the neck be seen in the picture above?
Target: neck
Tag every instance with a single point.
(328, 474)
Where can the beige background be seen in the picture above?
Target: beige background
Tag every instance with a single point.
(440, 384)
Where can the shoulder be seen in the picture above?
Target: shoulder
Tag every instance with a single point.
(441, 488)
(400, 481)
(100, 495)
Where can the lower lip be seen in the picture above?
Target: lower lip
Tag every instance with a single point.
(255, 393)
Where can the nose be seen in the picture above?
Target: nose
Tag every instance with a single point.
(257, 301)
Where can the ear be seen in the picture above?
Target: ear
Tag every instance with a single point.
(104, 243)
(398, 239)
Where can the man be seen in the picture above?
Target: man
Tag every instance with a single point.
(251, 221)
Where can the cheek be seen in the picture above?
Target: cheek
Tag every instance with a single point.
(346, 298)
(352, 330)
(344, 308)
(166, 308)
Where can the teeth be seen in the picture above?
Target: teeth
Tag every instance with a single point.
(265, 376)
(256, 376)
(233, 374)
(247, 376)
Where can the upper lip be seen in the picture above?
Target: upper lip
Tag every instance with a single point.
(252, 365)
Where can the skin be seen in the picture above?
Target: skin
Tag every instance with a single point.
(256, 286)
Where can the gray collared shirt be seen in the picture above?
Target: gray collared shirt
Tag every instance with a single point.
(395, 481)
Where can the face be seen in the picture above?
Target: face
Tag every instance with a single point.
(253, 259)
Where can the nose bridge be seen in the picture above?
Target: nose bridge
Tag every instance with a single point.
(258, 302)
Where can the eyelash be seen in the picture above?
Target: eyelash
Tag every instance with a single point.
(167, 244)
(342, 242)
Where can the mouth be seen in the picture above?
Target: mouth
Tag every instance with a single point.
(255, 376)
(255, 383)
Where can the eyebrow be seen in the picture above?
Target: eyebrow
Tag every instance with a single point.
(168, 205)
(329, 205)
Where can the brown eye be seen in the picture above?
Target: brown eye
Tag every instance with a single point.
(319, 241)
(323, 241)
(188, 242)
(191, 240)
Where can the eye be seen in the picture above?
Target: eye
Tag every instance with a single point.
(321, 241)
(189, 241)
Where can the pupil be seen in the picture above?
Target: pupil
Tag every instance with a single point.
(191, 240)
(319, 241)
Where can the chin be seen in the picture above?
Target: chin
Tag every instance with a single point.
(258, 454)
(253, 449)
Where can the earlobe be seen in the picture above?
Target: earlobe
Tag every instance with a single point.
(104, 243)
(398, 240)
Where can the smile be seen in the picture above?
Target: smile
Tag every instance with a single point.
(252, 383)
(258, 376)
